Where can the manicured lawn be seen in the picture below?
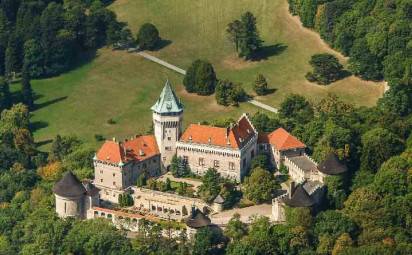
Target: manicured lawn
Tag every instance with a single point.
(196, 29)
(122, 86)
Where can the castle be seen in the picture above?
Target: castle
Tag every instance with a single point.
(229, 150)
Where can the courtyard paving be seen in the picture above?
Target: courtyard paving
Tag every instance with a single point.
(246, 214)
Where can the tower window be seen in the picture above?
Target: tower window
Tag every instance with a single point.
(201, 161)
(65, 207)
(101, 180)
(231, 166)
(216, 163)
(169, 138)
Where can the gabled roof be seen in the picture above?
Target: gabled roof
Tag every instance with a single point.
(111, 152)
(168, 101)
(198, 220)
(235, 136)
(282, 140)
(69, 186)
(300, 198)
(136, 149)
(332, 165)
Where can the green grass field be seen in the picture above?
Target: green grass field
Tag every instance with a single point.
(122, 86)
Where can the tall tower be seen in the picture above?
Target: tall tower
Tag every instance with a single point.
(167, 122)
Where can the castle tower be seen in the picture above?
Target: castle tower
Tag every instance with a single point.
(167, 122)
(70, 195)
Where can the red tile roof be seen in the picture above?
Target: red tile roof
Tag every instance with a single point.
(282, 140)
(234, 137)
(138, 149)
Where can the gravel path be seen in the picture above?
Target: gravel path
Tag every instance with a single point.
(181, 71)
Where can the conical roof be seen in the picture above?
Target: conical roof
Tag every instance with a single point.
(332, 165)
(69, 186)
(198, 220)
(168, 101)
(300, 198)
(219, 199)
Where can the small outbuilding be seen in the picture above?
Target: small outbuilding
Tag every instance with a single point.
(218, 203)
(196, 220)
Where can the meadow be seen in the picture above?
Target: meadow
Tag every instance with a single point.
(122, 86)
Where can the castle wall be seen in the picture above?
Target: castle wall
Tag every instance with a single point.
(165, 204)
(69, 207)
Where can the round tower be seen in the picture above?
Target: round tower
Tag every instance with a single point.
(167, 123)
(70, 195)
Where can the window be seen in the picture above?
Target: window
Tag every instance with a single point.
(101, 171)
(114, 174)
(101, 180)
(65, 207)
(114, 183)
(201, 161)
(231, 166)
(216, 163)
(168, 148)
(185, 158)
(144, 165)
(169, 138)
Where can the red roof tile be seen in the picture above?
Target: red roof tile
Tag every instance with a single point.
(282, 140)
(139, 149)
(233, 137)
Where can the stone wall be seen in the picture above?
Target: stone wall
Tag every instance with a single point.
(165, 204)
(69, 207)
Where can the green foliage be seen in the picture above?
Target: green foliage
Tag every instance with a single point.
(148, 37)
(260, 86)
(141, 180)
(27, 91)
(125, 200)
(261, 161)
(299, 216)
(264, 123)
(297, 108)
(333, 224)
(228, 93)
(392, 177)
(326, 69)
(259, 186)
(206, 241)
(244, 34)
(210, 187)
(235, 228)
(96, 237)
(5, 97)
(179, 167)
(200, 78)
(378, 145)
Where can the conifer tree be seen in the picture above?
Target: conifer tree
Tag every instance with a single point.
(261, 85)
(5, 97)
(26, 90)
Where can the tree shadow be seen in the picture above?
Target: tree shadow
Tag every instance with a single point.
(37, 125)
(344, 74)
(268, 51)
(47, 103)
(162, 44)
(44, 142)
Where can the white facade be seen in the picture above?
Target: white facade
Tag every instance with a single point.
(167, 130)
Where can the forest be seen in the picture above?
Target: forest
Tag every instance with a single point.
(367, 211)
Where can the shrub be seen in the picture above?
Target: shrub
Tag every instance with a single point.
(326, 69)
(148, 37)
(200, 78)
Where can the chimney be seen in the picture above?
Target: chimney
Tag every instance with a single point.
(209, 140)
(193, 211)
(292, 187)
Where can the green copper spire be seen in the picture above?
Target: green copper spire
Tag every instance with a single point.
(168, 101)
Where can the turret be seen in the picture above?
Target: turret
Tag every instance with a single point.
(70, 195)
(167, 122)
